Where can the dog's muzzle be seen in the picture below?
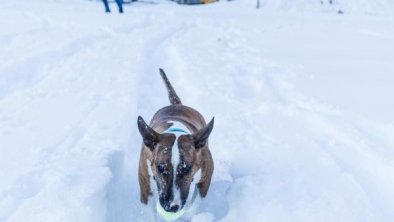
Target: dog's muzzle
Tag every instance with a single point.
(168, 207)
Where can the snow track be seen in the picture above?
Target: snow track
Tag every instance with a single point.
(73, 81)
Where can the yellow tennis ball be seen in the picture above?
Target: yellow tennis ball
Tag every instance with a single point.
(168, 216)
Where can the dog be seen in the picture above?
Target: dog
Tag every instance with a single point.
(174, 153)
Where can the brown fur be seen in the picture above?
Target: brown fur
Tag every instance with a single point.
(158, 147)
(201, 158)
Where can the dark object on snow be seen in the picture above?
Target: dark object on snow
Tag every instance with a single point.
(118, 2)
(340, 12)
(331, 2)
(194, 2)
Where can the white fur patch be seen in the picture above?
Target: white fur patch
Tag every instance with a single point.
(175, 150)
(148, 163)
(175, 156)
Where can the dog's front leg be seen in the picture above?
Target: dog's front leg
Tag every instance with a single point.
(206, 171)
(144, 177)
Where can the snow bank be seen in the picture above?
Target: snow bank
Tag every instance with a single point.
(363, 7)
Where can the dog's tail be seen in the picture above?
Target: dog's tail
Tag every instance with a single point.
(172, 96)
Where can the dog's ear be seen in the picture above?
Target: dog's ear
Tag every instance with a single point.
(149, 136)
(201, 137)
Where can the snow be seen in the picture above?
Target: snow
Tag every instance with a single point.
(301, 98)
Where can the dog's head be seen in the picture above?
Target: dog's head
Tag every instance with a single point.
(175, 161)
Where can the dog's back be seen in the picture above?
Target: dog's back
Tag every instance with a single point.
(178, 112)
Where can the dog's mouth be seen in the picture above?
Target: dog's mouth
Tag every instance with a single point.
(171, 207)
(167, 215)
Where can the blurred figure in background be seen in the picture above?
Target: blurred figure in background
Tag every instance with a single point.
(328, 1)
(118, 2)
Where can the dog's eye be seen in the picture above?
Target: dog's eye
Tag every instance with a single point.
(183, 168)
(163, 169)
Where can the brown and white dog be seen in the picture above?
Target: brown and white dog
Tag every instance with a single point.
(174, 149)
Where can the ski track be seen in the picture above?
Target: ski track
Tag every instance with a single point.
(92, 147)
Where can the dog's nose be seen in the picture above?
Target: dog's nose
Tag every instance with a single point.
(172, 208)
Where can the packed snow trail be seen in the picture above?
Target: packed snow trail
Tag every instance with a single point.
(73, 81)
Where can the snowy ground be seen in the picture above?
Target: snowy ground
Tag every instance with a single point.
(303, 107)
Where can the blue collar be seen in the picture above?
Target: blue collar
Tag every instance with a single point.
(175, 129)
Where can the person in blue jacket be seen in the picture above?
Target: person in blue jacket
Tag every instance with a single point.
(118, 2)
